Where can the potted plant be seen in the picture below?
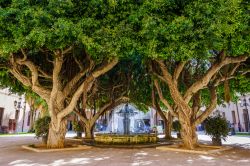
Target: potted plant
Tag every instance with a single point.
(77, 127)
(217, 127)
(42, 128)
(154, 129)
(177, 128)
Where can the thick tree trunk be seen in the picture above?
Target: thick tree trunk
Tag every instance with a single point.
(168, 126)
(167, 120)
(56, 138)
(188, 134)
(216, 141)
(31, 128)
(89, 132)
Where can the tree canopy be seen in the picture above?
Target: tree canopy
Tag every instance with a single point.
(196, 47)
(58, 49)
(188, 50)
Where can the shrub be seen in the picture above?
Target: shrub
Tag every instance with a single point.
(42, 127)
(217, 128)
(77, 127)
(176, 126)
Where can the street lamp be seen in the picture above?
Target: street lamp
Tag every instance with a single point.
(18, 107)
(239, 124)
(24, 109)
(245, 113)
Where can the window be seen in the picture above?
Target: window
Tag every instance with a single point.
(1, 116)
(17, 115)
(233, 117)
(246, 119)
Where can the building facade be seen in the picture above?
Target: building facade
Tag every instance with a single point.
(238, 113)
(14, 113)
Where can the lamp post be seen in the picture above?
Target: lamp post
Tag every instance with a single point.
(17, 105)
(245, 113)
(24, 109)
(246, 104)
(239, 124)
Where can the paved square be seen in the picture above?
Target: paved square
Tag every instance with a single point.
(12, 154)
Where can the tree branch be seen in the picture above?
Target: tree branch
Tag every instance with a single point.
(47, 58)
(159, 76)
(178, 70)
(221, 79)
(77, 112)
(56, 82)
(91, 62)
(44, 93)
(71, 84)
(156, 106)
(44, 74)
(104, 68)
(210, 73)
(56, 72)
(234, 69)
(22, 78)
(34, 82)
(81, 67)
(210, 108)
(164, 101)
(108, 106)
(67, 50)
(24, 55)
(184, 108)
(165, 72)
(33, 69)
(86, 86)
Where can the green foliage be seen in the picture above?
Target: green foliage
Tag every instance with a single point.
(131, 79)
(196, 31)
(190, 29)
(216, 127)
(176, 126)
(133, 30)
(241, 84)
(140, 85)
(8, 81)
(37, 100)
(77, 127)
(56, 25)
(42, 126)
(40, 27)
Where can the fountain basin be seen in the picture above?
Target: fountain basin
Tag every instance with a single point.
(116, 139)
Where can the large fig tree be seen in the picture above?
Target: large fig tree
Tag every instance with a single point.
(58, 49)
(108, 91)
(194, 45)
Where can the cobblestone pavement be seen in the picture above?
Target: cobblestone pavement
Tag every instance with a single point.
(12, 154)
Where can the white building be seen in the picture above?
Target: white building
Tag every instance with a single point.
(237, 113)
(14, 113)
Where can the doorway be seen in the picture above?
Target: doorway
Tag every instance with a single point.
(246, 119)
(1, 116)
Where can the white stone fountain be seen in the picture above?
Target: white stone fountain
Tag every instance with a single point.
(126, 127)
